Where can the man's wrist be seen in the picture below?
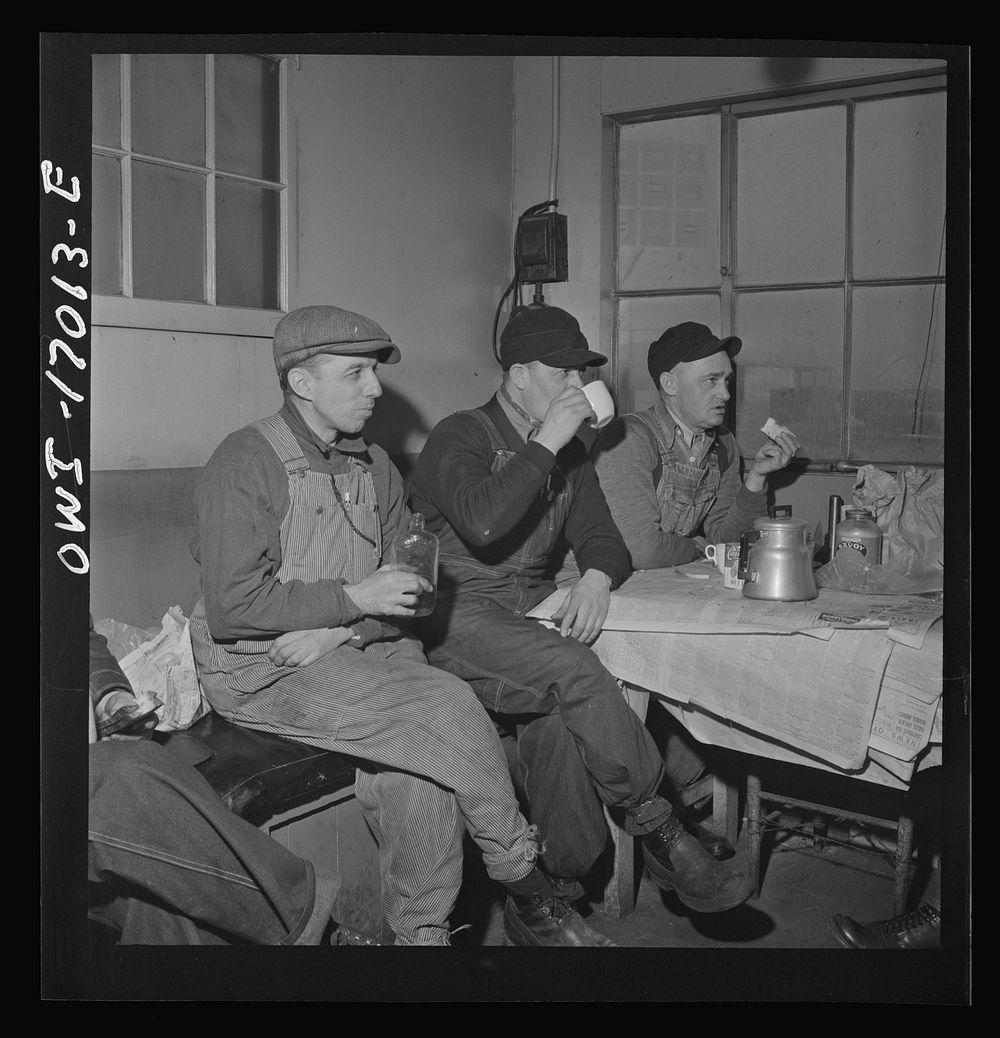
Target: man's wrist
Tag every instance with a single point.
(597, 575)
(755, 482)
(544, 442)
(353, 597)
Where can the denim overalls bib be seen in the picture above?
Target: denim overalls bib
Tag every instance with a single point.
(318, 542)
(684, 492)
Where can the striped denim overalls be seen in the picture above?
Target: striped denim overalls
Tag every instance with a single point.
(383, 704)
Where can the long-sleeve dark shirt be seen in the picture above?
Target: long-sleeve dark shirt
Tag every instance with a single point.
(240, 501)
(475, 511)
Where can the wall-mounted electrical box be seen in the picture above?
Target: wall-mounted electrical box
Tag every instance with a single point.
(542, 248)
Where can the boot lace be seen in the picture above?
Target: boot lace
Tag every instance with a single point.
(557, 907)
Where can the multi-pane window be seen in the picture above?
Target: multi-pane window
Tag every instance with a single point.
(188, 199)
(813, 228)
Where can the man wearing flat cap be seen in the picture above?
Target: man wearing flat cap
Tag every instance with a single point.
(301, 628)
(672, 473)
(500, 484)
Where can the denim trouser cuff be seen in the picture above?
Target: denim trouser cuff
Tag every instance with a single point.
(516, 863)
(424, 936)
(647, 816)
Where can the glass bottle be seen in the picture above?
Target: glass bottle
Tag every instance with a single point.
(418, 548)
(858, 531)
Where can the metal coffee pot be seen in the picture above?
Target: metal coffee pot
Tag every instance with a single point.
(779, 567)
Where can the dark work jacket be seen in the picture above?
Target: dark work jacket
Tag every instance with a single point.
(499, 506)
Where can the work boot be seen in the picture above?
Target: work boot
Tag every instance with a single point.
(343, 936)
(914, 930)
(536, 916)
(677, 862)
(718, 846)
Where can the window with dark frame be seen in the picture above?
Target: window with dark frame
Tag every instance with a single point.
(188, 197)
(813, 227)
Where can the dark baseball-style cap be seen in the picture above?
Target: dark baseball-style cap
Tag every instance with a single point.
(548, 334)
(328, 329)
(686, 342)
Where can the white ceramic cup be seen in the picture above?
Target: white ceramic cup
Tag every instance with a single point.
(716, 553)
(600, 400)
(727, 560)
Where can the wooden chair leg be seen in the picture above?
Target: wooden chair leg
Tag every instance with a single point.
(753, 832)
(726, 809)
(619, 894)
(904, 846)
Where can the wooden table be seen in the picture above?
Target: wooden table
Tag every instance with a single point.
(744, 675)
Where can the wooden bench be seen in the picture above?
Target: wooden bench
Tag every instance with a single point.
(303, 797)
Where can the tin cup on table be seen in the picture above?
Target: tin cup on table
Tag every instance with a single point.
(747, 540)
(727, 560)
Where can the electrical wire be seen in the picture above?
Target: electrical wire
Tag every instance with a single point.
(554, 150)
(917, 402)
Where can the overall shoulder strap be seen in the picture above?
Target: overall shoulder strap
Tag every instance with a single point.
(275, 430)
(722, 447)
(497, 441)
(648, 419)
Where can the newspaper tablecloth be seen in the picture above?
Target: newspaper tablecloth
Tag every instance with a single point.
(692, 599)
(850, 681)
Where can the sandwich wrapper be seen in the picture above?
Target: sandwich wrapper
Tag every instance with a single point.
(909, 510)
(160, 667)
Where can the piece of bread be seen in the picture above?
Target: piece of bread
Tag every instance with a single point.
(772, 429)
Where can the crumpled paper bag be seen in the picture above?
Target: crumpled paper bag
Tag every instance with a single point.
(909, 510)
(160, 666)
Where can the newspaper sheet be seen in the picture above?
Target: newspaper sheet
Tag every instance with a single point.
(692, 598)
(164, 667)
(878, 769)
(907, 717)
(816, 696)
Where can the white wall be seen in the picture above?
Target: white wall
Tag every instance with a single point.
(632, 84)
(404, 214)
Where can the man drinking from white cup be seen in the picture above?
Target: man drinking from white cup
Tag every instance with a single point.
(501, 484)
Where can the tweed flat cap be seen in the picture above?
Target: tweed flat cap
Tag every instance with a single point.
(328, 329)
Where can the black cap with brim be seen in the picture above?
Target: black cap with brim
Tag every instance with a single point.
(685, 343)
(546, 334)
(573, 358)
